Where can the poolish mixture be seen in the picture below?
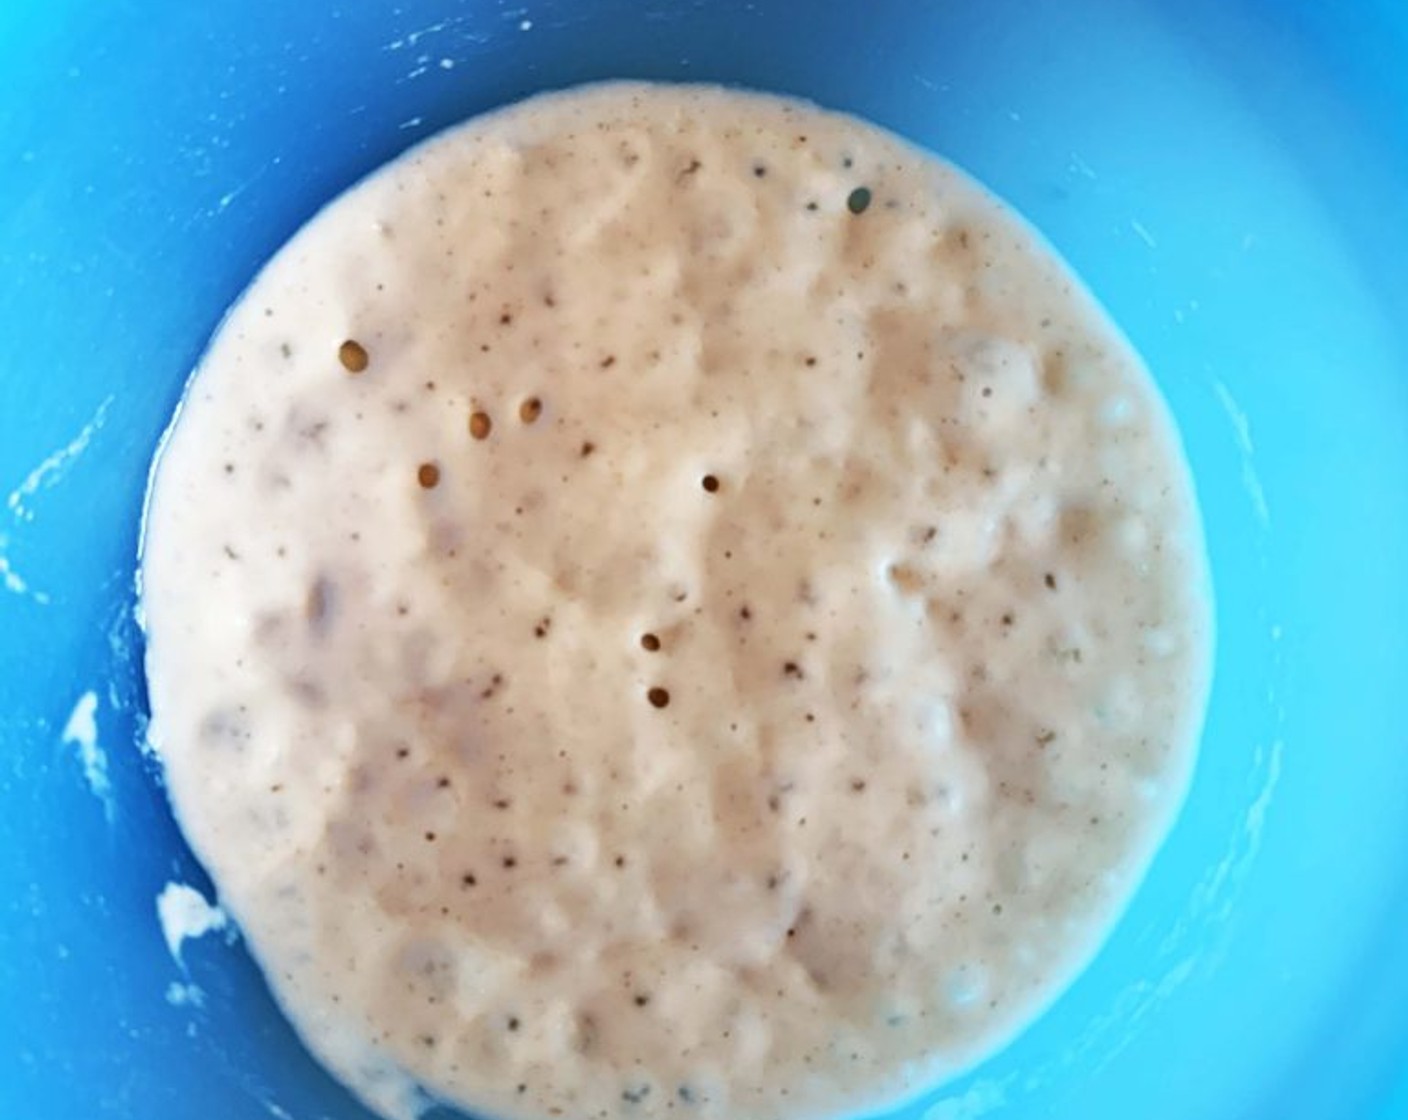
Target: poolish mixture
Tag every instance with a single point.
(671, 602)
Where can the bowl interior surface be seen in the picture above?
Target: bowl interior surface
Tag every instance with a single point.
(1229, 180)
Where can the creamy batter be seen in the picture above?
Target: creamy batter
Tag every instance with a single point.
(668, 601)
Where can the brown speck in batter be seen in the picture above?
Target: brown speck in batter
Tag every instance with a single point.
(428, 475)
(530, 410)
(480, 425)
(353, 356)
(649, 642)
(659, 697)
(318, 604)
(710, 483)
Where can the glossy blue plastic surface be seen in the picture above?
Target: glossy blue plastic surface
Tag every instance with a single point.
(1232, 180)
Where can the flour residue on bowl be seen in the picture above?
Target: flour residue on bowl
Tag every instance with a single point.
(81, 732)
(670, 602)
(184, 914)
(19, 504)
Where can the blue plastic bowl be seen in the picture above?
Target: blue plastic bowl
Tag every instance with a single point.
(1232, 179)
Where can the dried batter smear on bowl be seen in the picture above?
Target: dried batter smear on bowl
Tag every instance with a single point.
(671, 602)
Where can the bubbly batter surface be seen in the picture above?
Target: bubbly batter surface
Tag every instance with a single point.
(665, 601)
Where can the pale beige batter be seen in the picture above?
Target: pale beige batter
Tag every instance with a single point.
(667, 601)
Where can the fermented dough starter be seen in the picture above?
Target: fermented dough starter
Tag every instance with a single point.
(667, 601)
